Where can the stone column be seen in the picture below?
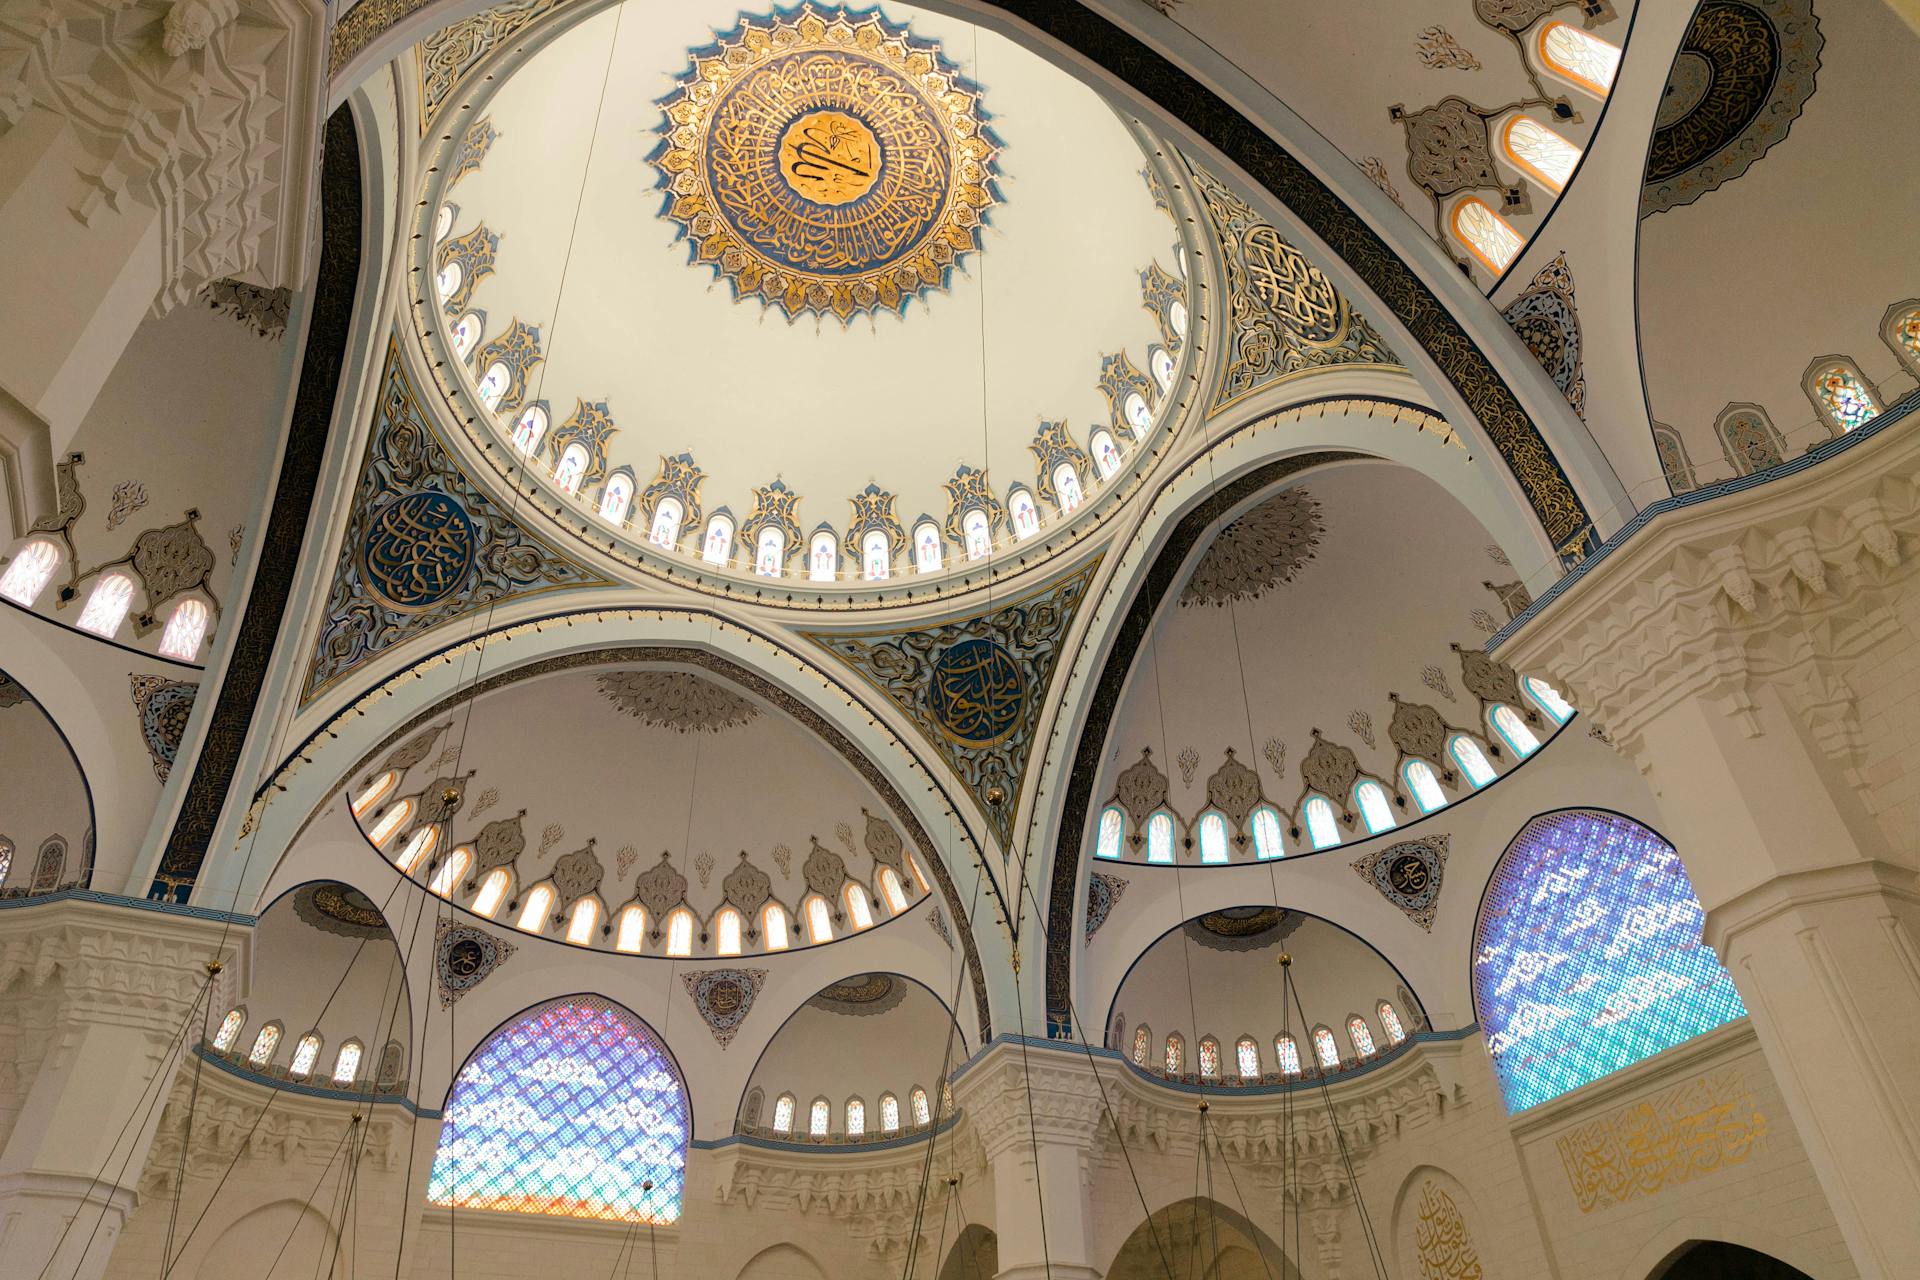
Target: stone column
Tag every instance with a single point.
(96, 1000)
(1757, 657)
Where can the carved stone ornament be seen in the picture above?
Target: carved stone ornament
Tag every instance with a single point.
(447, 56)
(1330, 769)
(414, 749)
(262, 310)
(463, 956)
(340, 909)
(676, 700)
(575, 875)
(1140, 789)
(1234, 790)
(1449, 148)
(499, 844)
(1408, 874)
(1491, 681)
(1243, 928)
(11, 693)
(747, 887)
(660, 889)
(1422, 732)
(825, 871)
(862, 995)
(1103, 894)
(883, 843)
(724, 998)
(937, 921)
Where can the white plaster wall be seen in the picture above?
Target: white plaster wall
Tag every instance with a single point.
(41, 793)
(826, 1053)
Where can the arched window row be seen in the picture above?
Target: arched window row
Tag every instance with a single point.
(853, 1120)
(309, 1058)
(1376, 805)
(1363, 1037)
(109, 602)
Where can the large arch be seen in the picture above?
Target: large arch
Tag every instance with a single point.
(1202, 1239)
(975, 1255)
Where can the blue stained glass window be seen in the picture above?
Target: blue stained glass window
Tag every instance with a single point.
(566, 1111)
(1587, 956)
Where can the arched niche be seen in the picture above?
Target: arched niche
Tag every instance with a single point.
(782, 1262)
(255, 1241)
(46, 805)
(1437, 1231)
(975, 1255)
(1215, 1240)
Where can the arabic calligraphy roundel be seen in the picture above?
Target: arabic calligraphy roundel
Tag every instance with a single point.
(418, 549)
(976, 692)
(826, 162)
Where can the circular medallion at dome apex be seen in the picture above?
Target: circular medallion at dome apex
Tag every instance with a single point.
(826, 162)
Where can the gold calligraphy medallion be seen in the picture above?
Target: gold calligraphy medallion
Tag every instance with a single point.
(827, 162)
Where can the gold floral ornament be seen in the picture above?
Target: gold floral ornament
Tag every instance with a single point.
(824, 160)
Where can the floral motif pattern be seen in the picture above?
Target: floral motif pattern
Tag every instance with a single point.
(1262, 550)
(677, 700)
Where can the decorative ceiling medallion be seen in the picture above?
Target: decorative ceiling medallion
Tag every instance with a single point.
(724, 998)
(163, 707)
(1408, 875)
(337, 908)
(1261, 550)
(861, 995)
(677, 700)
(1243, 928)
(463, 956)
(1103, 894)
(824, 160)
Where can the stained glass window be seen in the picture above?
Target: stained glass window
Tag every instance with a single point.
(1844, 396)
(1142, 1040)
(920, 1113)
(391, 821)
(1287, 1053)
(856, 1118)
(876, 562)
(1176, 1053)
(889, 1113)
(533, 916)
(346, 1064)
(1138, 416)
(493, 890)
(773, 920)
(1580, 56)
(1066, 485)
(186, 628)
(1026, 516)
(417, 848)
(926, 547)
(979, 531)
(665, 530)
(631, 934)
(493, 385)
(567, 1111)
(1266, 834)
(447, 279)
(572, 469)
(1159, 838)
(31, 570)
(1111, 827)
(1487, 235)
(1361, 1034)
(817, 1118)
(615, 497)
(1161, 363)
(264, 1044)
(727, 930)
(1375, 810)
(1324, 1048)
(859, 909)
(823, 558)
(819, 920)
(680, 933)
(466, 335)
(1390, 1023)
(1247, 1050)
(769, 550)
(443, 222)
(1177, 317)
(1209, 1057)
(1540, 153)
(107, 606)
(1106, 455)
(229, 1032)
(1904, 331)
(586, 914)
(1549, 698)
(892, 890)
(1473, 761)
(528, 428)
(783, 1114)
(1321, 828)
(1587, 956)
(305, 1054)
(450, 872)
(1511, 727)
(376, 792)
(1425, 786)
(718, 546)
(1213, 838)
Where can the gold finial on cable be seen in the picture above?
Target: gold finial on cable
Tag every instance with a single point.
(1286, 960)
(213, 968)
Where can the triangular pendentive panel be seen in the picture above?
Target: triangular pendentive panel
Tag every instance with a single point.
(424, 546)
(975, 687)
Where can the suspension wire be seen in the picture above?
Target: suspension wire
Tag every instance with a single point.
(1258, 1236)
(193, 1102)
(1346, 1159)
(300, 1218)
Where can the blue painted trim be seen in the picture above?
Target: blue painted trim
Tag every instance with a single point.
(136, 904)
(284, 1085)
(1826, 449)
(825, 1148)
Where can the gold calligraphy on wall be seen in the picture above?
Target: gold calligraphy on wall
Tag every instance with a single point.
(1675, 1136)
(1441, 1241)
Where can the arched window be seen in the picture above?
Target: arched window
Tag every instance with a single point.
(823, 557)
(892, 890)
(1540, 153)
(493, 891)
(1247, 1052)
(858, 909)
(229, 1032)
(717, 546)
(818, 1116)
(1213, 838)
(450, 871)
(1548, 699)
(346, 1064)
(1266, 834)
(573, 1110)
(1161, 363)
(1588, 957)
(1176, 1054)
(390, 821)
(783, 1114)
(186, 628)
(926, 547)
(680, 932)
(31, 570)
(1026, 516)
(616, 497)
(1325, 1052)
(1142, 1041)
(306, 1052)
(1900, 330)
(494, 384)
(586, 914)
(979, 532)
(875, 560)
(447, 279)
(769, 549)
(773, 922)
(1375, 810)
(1160, 838)
(750, 1110)
(466, 334)
(442, 222)
(1177, 317)
(108, 604)
(919, 877)
(1139, 417)
(1106, 455)
(1579, 56)
(533, 916)
(1361, 1035)
(632, 933)
(889, 1113)
(1424, 785)
(921, 1115)
(727, 931)
(856, 1118)
(1287, 1054)
(1511, 727)
(1472, 761)
(1487, 235)
(376, 792)
(1390, 1023)
(665, 530)
(1209, 1057)
(1843, 397)
(572, 469)
(946, 1098)
(418, 846)
(529, 429)
(1112, 826)
(819, 920)
(264, 1044)
(1322, 831)
(1066, 487)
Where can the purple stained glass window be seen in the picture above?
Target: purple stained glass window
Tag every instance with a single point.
(567, 1111)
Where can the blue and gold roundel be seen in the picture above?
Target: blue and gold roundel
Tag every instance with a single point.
(417, 550)
(976, 693)
(824, 161)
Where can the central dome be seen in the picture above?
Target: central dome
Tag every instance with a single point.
(975, 280)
